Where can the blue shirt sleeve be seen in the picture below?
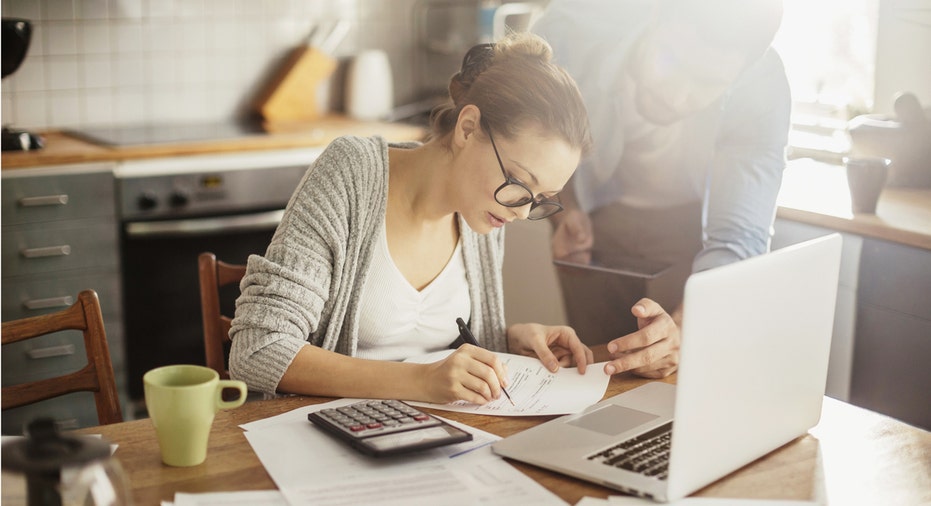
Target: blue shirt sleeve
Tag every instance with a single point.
(747, 167)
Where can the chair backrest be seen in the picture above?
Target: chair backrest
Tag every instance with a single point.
(97, 376)
(215, 274)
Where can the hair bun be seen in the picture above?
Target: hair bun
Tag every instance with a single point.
(475, 61)
(481, 56)
(523, 45)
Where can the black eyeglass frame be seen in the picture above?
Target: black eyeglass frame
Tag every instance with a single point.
(544, 207)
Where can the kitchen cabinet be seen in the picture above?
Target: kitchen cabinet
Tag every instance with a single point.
(882, 326)
(59, 236)
(893, 329)
(840, 365)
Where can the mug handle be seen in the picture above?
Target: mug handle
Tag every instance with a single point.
(235, 384)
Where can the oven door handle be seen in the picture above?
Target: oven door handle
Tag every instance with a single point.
(200, 226)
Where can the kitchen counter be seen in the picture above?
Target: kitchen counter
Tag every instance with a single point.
(816, 193)
(813, 192)
(62, 148)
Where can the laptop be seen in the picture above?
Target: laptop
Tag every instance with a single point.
(756, 337)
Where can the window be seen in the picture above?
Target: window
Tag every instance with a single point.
(829, 51)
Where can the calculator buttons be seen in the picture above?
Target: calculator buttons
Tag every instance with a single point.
(366, 418)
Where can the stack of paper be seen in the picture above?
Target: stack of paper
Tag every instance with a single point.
(312, 467)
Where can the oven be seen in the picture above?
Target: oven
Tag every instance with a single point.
(171, 210)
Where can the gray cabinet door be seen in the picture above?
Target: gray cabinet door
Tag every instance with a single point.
(893, 332)
(60, 236)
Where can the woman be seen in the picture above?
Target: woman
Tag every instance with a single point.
(383, 246)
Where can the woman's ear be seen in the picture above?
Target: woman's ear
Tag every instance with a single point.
(467, 124)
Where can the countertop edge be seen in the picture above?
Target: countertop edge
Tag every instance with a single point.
(63, 148)
(858, 227)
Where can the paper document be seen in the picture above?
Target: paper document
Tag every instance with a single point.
(294, 451)
(242, 498)
(534, 390)
(310, 466)
(616, 500)
(488, 481)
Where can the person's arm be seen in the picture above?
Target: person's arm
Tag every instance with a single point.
(282, 302)
(747, 167)
(284, 292)
(572, 237)
(471, 374)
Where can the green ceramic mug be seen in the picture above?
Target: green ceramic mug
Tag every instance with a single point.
(182, 401)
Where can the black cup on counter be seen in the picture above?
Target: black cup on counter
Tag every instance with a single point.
(866, 177)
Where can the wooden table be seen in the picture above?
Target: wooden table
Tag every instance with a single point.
(853, 456)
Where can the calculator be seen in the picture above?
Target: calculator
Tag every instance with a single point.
(387, 427)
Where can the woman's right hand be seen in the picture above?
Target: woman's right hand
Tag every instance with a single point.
(573, 238)
(470, 374)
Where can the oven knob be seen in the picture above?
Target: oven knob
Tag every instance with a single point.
(178, 199)
(147, 201)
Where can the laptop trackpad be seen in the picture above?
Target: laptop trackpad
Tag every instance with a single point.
(613, 419)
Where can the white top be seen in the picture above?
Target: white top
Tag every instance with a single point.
(397, 321)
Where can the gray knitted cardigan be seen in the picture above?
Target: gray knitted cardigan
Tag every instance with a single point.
(305, 290)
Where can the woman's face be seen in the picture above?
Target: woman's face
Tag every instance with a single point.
(541, 161)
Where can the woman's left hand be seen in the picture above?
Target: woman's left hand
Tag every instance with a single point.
(555, 346)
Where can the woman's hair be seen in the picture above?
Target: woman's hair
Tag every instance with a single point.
(515, 84)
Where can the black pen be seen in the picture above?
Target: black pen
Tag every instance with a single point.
(467, 336)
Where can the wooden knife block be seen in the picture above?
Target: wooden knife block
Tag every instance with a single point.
(292, 95)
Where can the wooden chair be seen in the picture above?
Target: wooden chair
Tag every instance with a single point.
(97, 376)
(215, 274)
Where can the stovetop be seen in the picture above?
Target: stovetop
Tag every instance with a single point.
(152, 134)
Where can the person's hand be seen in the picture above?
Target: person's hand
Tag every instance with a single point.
(573, 239)
(653, 350)
(470, 374)
(555, 346)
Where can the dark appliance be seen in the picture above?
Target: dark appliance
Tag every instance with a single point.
(16, 34)
(171, 210)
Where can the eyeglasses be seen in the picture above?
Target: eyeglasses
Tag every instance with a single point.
(514, 193)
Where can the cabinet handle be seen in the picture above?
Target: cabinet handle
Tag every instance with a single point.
(51, 351)
(63, 301)
(67, 424)
(44, 200)
(49, 251)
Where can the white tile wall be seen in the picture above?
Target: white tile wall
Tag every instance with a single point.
(96, 62)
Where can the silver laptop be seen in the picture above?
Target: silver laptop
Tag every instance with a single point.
(756, 336)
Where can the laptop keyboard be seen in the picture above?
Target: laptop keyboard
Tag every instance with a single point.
(647, 454)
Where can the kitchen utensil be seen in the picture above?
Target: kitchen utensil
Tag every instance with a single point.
(292, 94)
(369, 86)
(61, 469)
